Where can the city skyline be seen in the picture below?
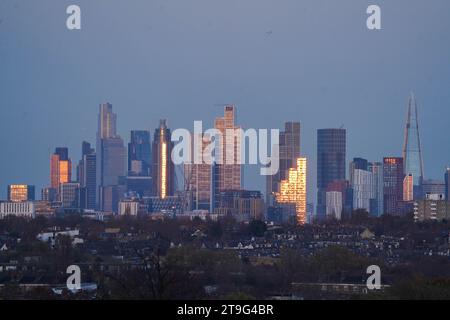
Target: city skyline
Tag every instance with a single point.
(294, 73)
(107, 126)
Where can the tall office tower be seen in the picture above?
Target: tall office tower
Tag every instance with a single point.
(110, 161)
(393, 177)
(60, 169)
(331, 149)
(163, 171)
(85, 149)
(20, 192)
(293, 190)
(288, 153)
(86, 176)
(408, 188)
(376, 204)
(227, 171)
(334, 204)
(412, 152)
(357, 164)
(447, 184)
(198, 178)
(363, 189)
(139, 154)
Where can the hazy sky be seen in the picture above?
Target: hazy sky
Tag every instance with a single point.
(313, 61)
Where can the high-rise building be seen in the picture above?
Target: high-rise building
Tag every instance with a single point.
(412, 150)
(293, 190)
(357, 164)
(20, 192)
(331, 155)
(376, 205)
(343, 187)
(408, 188)
(86, 176)
(60, 169)
(139, 153)
(163, 171)
(110, 160)
(393, 177)
(198, 178)
(289, 152)
(227, 173)
(334, 204)
(363, 189)
(447, 184)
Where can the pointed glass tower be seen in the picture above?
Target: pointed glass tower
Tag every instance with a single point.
(412, 150)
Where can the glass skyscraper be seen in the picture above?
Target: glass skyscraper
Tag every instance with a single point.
(289, 152)
(331, 155)
(412, 150)
(393, 177)
(110, 156)
(163, 171)
(139, 153)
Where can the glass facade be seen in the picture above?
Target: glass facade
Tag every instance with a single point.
(412, 153)
(331, 157)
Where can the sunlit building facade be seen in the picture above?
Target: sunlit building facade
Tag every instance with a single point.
(60, 169)
(163, 171)
(293, 190)
(376, 204)
(139, 153)
(198, 178)
(20, 192)
(408, 188)
(289, 152)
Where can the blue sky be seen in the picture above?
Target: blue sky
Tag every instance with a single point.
(313, 61)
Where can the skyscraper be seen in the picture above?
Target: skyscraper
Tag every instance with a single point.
(163, 171)
(227, 173)
(139, 153)
(110, 155)
(85, 149)
(86, 176)
(289, 152)
(60, 169)
(376, 205)
(393, 177)
(293, 190)
(198, 179)
(331, 155)
(412, 150)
